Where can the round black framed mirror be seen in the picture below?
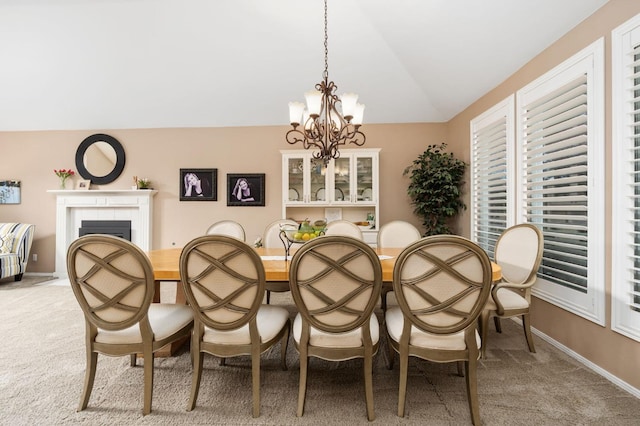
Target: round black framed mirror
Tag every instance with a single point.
(100, 158)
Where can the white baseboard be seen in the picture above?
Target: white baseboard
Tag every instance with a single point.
(596, 368)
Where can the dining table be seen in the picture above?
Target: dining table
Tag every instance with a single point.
(166, 267)
(165, 263)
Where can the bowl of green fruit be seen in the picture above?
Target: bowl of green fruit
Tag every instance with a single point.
(306, 231)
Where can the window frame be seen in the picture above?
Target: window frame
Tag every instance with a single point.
(623, 39)
(589, 62)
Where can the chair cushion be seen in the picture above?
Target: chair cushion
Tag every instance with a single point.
(165, 319)
(395, 321)
(509, 299)
(270, 320)
(352, 339)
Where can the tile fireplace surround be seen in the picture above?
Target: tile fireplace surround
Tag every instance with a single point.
(72, 207)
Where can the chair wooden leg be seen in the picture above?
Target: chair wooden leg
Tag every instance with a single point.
(89, 376)
(255, 379)
(302, 389)
(496, 322)
(284, 344)
(484, 328)
(526, 324)
(471, 370)
(148, 380)
(195, 379)
(268, 296)
(391, 353)
(368, 387)
(402, 389)
(133, 360)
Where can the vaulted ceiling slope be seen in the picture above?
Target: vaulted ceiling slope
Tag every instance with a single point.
(105, 64)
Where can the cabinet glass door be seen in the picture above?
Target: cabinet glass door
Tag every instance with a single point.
(364, 171)
(318, 180)
(295, 167)
(342, 179)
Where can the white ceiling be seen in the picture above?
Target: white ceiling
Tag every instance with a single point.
(108, 64)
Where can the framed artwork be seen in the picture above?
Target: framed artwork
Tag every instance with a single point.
(245, 189)
(83, 184)
(9, 192)
(198, 184)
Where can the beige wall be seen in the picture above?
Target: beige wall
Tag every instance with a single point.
(158, 154)
(611, 351)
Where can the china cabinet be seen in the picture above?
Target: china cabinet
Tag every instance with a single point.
(345, 188)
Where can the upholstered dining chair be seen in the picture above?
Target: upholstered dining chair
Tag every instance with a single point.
(227, 227)
(335, 283)
(271, 235)
(396, 233)
(518, 252)
(271, 239)
(223, 280)
(441, 283)
(112, 280)
(344, 228)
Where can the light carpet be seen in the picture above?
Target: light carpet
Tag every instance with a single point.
(43, 362)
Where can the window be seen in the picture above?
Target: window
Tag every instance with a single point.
(492, 141)
(560, 179)
(625, 291)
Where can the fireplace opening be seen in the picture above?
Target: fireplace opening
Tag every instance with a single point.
(119, 228)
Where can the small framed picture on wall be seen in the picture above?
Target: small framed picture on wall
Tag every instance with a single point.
(198, 184)
(245, 189)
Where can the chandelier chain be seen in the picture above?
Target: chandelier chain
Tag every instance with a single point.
(326, 43)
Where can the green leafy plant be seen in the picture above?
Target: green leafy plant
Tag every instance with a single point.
(435, 188)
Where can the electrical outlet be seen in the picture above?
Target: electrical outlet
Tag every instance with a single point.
(35, 257)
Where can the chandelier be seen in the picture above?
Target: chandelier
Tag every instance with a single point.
(324, 127)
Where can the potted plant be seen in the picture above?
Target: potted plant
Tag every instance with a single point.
(435, 188)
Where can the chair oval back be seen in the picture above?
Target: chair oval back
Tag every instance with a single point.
(335, 282)
(112, 280)
(442, 283)
(230, 228)
(519, 252)
(344, 228)
(223, 280)
(271, 236)
(397, 233)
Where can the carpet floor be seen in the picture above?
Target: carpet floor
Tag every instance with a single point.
(42, 361)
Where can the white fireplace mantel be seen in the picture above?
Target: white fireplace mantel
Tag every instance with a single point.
(72, 207)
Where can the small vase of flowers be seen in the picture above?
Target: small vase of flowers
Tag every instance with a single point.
(64, 174)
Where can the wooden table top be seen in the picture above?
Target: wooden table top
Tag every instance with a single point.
(165, 264)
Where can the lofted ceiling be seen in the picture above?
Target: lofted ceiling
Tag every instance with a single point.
(109, 64)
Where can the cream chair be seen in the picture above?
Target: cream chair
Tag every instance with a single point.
(396, 233)
(335, 284)
(271, 235)
(344, 228)
(518, 252)
(227, 227)
(224, 280)
(271, 239)
(442, 284)
(112, 280)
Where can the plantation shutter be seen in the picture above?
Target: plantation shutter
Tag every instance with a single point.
(555, 181)
(626, 238)
(491, 137)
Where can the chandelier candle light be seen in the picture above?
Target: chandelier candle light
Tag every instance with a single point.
(324, 127)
